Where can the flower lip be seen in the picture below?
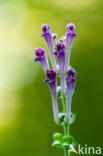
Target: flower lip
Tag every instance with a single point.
(60, 49)
(47, 80)
(60, 46)
(39, 52)
(45, 29)
(70, 79)
(70, 30)
(71, 72)
(70, 27)
(71, 34)
(51, 74)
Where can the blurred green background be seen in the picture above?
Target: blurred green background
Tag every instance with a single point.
(26, 118)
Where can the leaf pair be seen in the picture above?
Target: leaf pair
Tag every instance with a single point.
(62, 141)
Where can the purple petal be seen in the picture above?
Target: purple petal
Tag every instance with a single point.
(47, 80)
(51, 79)
(53, 87)
(69, 40)
(39, 52)
(45, 29)
(51, 74)
(37, 59)
(71, 72)
(61, 59)
(41, 57)
(70, 89)
(60, 46)
(49, 41)
(70, 27)
(44, 64)
(70, 79)
(55, 109)
(55, 53)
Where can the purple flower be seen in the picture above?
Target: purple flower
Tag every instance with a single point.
(51, 80)
(41, 57)
(70, 89)
(69, 40)
(49, 41)
(60, 53)
(54, 36)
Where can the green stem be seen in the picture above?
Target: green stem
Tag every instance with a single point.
(64, 104)
(66, 132)
(66, 128)
(66, 151)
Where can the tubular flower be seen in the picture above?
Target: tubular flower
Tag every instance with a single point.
(51, 80)
(64, 40)
(69, 40)
(70, 89)
(54, 36)
(60, 53)
(49, 41)
(41, 57)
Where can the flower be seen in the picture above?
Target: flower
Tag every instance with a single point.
(60, 53)
(41, 57)
(69, 40)
(54, 36)
(64, 40)
(49, 41)
(51, 80)
(70, 89)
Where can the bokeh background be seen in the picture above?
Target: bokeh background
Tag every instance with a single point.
(26, 118)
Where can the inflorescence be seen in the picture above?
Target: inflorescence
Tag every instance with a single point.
(61, 50)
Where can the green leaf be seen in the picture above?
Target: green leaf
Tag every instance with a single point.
(67, 140)
(56, 143)
(58, 137)
(65, 144)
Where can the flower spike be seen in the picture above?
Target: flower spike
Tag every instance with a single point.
(41, 57)
(70, 89)
(69, 40)
(49, 41)
(51, 80)
(60, 53)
